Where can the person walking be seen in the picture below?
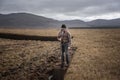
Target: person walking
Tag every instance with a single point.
(65, 38)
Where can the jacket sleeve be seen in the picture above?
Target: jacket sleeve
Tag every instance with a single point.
(69, 36)
(59, 36)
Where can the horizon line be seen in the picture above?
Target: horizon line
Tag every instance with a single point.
(55, 18)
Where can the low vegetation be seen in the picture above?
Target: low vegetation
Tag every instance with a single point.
(96, 58)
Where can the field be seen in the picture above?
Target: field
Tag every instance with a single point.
(96, 55)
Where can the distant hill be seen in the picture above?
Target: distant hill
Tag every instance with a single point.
(104, 23)
(26, 20)
(74, 23)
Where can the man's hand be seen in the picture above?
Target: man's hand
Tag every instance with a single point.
(69, 47)
(59, 39)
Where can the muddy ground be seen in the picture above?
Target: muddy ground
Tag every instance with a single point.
(31, 60)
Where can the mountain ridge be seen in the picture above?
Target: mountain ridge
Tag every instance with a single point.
(28, 20)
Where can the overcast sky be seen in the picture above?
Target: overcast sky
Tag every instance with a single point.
(64, 9)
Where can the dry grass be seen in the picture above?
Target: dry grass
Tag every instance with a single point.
(27, 59)
(97, 56)
(37, 32)
(19, 60)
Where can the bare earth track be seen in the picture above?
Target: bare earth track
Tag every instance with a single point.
(27, 60)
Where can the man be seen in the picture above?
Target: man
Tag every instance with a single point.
(65, 38)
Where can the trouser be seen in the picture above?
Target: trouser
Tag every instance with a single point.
(64, 49)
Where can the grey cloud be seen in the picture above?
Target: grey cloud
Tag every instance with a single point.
(67, 7)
